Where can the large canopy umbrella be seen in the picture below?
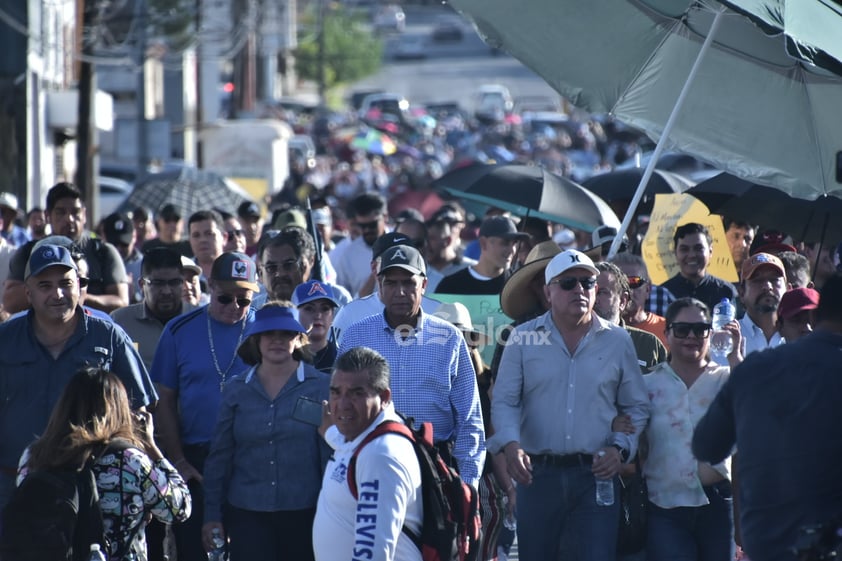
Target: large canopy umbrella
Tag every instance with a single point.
(189, 189)
(621, 184)
(701, 78)
(810, 27)
(529, 191)
(809, 221)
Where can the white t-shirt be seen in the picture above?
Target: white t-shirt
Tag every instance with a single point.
(389, 483)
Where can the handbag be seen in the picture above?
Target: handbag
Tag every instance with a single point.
(634, 496)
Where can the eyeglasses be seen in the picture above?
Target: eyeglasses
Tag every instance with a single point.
(237, 233)
(368, 225)
(682, 329)
(226, 299)
(287, 266)
(161, 283)
(569, 283)
(636, 281)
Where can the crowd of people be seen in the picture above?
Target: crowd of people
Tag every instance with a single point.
(265, 355)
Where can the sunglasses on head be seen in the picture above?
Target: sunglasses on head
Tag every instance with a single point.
(226, 299)
(636, 281)
(569, 283)
(682, 329)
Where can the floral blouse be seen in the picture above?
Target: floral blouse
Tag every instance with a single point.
(131, 486)
(672, 473)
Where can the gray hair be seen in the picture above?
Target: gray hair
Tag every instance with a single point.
(363, 359)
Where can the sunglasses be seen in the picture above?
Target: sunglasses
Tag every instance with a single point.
(161, 283)
(237, 233)
(636, 281)
(569, 283)
(226, 299)
(682, 329)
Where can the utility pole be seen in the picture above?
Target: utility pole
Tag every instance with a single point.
(86, 160)
(140, 93)
(321, 52)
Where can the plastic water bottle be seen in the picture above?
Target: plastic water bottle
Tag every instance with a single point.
(509, 520)
(96, 553)
(218, 551)
(720, 339)
(604, 488)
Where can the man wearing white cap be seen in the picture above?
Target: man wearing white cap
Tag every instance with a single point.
(563, 377)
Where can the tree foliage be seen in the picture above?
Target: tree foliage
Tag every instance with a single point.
(351, 52)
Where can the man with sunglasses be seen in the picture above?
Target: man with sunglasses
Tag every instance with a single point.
(563, 378)
(195, 357)
(368, 214)
(636, 314)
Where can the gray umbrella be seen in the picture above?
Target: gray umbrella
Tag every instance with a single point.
(189, 189)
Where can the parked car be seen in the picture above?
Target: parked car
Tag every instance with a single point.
(390, 18)
(393, 103)
(410, 47)
(447, 29)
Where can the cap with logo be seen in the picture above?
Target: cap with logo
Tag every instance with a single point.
(118, 229)
(403, 257)
(601, 239)
(500, 227)
(770, 241)
(446, 214)
(236, 268)
(758, 260)
(387, 240)
(248, 209)
(313, 290)
(46, 256)
(797, 300)
(566, 260)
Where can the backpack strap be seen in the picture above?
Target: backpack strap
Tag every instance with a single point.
(386, 427)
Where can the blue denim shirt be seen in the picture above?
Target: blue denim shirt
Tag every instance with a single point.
(262, 459)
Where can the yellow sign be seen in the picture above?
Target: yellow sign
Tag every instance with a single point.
(669, 212)
(486, 316)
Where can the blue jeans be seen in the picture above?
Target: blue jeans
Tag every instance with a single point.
(693, 533)
(561, 501)
(269, 536)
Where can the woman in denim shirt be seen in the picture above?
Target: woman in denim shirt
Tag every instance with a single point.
(263, 475)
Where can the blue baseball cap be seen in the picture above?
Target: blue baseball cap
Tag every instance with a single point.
(274, 318)
(46, 256)
(314, 290)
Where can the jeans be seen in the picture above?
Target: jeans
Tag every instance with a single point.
(270, 536)
(693, 533)
(188, 534)
(561, 501)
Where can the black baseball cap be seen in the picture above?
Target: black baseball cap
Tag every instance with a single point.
(500, 227)
(248, 209)
(403, 257)
(169, 212)
(118, 229)
(387, 240)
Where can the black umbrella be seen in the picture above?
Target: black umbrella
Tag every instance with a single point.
(621, 184)
(189, 189)
(529, 191)
(804, 220)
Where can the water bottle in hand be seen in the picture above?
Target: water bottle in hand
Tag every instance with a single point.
(218, 551)
(720, 339)
(96, 553)
(604, 488)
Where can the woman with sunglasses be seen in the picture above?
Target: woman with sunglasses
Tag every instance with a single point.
(263, 474)
(690, 505)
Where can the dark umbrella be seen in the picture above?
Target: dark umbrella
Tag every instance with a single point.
(768, 207)
(529, 191)
(189, 189)
(621, 184)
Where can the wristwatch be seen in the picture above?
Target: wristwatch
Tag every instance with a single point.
(624, 454)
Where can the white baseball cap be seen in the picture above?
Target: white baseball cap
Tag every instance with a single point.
(570, 259)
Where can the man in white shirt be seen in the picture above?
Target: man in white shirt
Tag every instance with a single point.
(386, 474)
(368, 213)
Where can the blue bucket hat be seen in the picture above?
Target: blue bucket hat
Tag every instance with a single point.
(274, 318)
(314, 290)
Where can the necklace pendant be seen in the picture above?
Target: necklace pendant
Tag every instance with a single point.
(221, 385)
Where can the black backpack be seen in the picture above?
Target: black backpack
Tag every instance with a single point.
(451, 525)
(54, 515)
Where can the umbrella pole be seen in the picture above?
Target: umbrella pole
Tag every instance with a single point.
(659, 148)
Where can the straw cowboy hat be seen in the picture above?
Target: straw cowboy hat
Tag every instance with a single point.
(516, 299)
